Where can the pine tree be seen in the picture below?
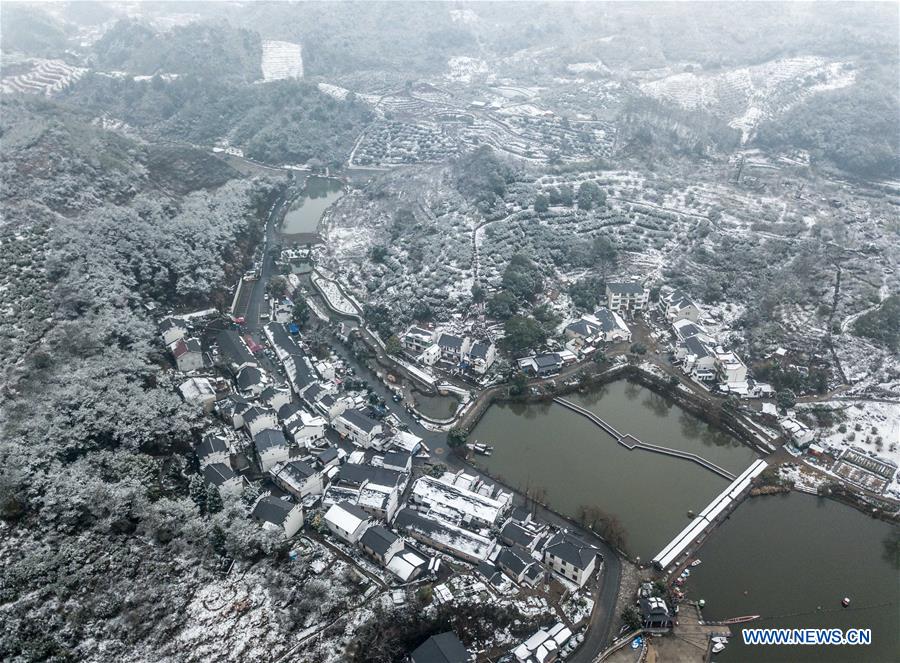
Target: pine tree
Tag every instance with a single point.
(197, 492)
(213, 500)
(217, 539)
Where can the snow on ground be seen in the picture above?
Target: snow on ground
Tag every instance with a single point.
(281, 59)
(585, 67)
(46, 77)
(865, 424)
(336, 91)
(462, 69)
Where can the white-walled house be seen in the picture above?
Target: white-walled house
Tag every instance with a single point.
(571, 557)
(214, 448)
(271, 448)
(678, 306)
(258, 418)
(250, 381)
(481, 356)
(275, 397)
(275, 513)
(172, 330)
(199, 392)
(430, 355)
(626, 296)
(358, 427)
(298, 478)
(416, 339)
(346, 521)
(380, 543)
(188, 354)
(454, 349)
(305, 429)
(732, 370)
(224, 478)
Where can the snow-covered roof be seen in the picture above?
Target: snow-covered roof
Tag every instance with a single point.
(456, 502)
(345, 516)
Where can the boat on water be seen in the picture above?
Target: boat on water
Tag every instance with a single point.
(717, 647)
(481, 449)
(719, 639)
(740, 620)
(696, 562)
(845, 601)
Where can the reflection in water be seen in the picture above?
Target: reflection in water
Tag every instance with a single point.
(632, 390)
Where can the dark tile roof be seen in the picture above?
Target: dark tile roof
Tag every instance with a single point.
(327, 455)
(212, 443)
(548, 360)
(360, 420)
(357, 474)
(269, 438)
(297, 470)
(288, 410)
(515, 533)
(248, 376)
(479, 350)
(606, 319)
(696, 347)
(256, 412)
(626, 288)
(396, 458)
(571, 549)
(582, 328)
(378, 538)
(171, 323)
(450, 341)
(282, 339)
(218, 473)
(272, 510)
(443, 648)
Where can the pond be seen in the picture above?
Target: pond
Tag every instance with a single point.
(436, 407)
(306, 211)
(792, 558)
(548, 447)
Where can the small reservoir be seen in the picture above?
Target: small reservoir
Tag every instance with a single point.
(305, 213)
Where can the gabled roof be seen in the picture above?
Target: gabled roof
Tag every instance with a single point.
(212, 443)
(256, 412)
(697, 347)
(294, 471)
(218, 473)
(172, 323)
(269, 438)
(515, 559)
(571, 549)
(582, 327)
(513, 531)
(270, 509)
(378, 538)
(288, 410)
(183, 346)
(450, 341)
(360, 420)
(608, 320)
(625, 288)
(479, 350)
(443, 648)
(326, 455)
(248, 377)
(397, 458)
(357, 474)
(346, 516)
(547, 360)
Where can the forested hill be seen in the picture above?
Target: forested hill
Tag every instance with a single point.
(101, 547)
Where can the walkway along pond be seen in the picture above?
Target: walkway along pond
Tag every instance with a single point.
(545, 447)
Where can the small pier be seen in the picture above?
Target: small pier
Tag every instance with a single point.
(630, 442)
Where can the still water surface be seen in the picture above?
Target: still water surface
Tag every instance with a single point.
(786, 556)
(547, 446)
(306, 211)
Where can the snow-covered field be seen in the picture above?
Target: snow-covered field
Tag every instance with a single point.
(281, 59)
(47, 77)
(462, 69)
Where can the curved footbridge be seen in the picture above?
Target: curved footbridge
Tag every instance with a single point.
(630, 442)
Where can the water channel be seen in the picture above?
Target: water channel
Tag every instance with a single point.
(786, 556)
(307, 209)
(548, 447)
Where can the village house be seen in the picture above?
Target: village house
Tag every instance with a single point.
(259, 417)
(281, 514)
(453, 348)
(298, 478)
(232, 409)
(602, 326)
(328, 458)
(172, 330)
(199, 392)
(250, 381)
(300, 373)
(655, 615)
(380, 543)
(188, 354)
(322, 400)
(481, 356)
(271, 448)
(697, 358)
(223, 478)
(346, 521)
(626, 296)
(305, 429)
(444, 536)
(214, 448)
(408, 564)
(358, 427)
(441, 648)
(678, 306)
(517, 563)
(458, 504)
(528, 535)
(732, 371)
(399, 461)
(377, 490)
(281, 341)
(416, 340)
(275, 397)
(430, 355)
(233, 351)
(570, 557)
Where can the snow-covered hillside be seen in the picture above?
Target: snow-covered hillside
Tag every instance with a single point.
(749, 94)
(281, 59)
